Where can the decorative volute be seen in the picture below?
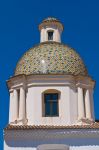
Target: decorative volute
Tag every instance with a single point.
(50, 30)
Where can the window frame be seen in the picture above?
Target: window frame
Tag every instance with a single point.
(51, 105)
(49, 31)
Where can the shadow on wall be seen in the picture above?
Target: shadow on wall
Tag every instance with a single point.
(34, 138)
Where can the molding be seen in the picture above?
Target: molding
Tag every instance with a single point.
(85, 121)
(38, 80)
(22, 121)
(51, 23)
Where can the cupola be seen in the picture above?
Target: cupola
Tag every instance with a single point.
(51, 85)
(50, 30)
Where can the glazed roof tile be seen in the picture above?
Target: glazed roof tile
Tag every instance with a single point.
(51, 58)
(23, 127)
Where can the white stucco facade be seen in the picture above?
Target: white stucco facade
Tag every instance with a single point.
(56, 34)
(75, 139)
(28, 109)
(55, 26)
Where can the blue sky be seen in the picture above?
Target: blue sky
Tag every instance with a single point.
(19, 20)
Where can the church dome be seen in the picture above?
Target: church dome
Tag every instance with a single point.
(51, 58)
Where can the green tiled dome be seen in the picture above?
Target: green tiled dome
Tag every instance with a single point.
(51, 58)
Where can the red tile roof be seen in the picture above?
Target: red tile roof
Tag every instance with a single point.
(23, 127)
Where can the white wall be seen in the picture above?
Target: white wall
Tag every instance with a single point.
(95, 147)
(73, 105)
(34, 86)
(76, 139)
(56, 34)
(11, 107)
(67, 114)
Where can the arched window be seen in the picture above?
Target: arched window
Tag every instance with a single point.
(50, 35)
(51, 103)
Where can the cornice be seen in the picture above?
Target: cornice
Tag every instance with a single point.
(51, 23)
(50, 80)
(92, 125)
(55, 79)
